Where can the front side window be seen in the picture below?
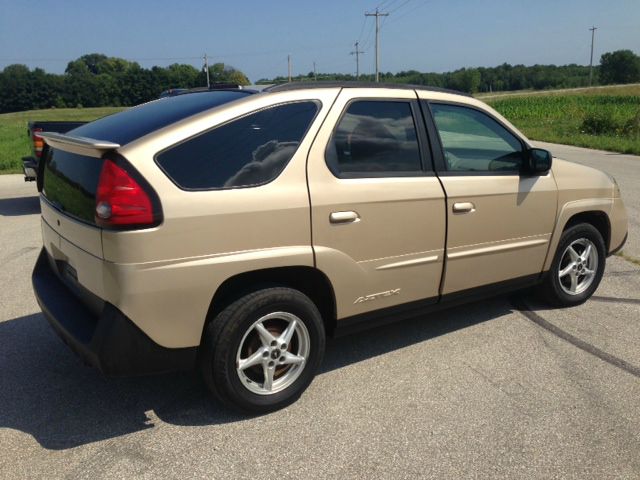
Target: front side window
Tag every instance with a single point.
(251, 150)
(375, 138)
(474, 142)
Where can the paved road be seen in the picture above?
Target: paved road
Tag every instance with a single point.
(485, 390)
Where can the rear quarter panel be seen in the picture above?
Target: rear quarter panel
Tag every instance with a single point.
(164, 278)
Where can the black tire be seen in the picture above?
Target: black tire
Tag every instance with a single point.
(230, 327)
(552, 289)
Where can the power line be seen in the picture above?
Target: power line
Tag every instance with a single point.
(399, 7)
(386, 4)
(405, 14)
(377, 15)
(367, 40)
(364, 23)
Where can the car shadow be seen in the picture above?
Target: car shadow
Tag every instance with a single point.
(47, 393)
(13, 207)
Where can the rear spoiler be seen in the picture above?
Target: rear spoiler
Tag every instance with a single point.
(77, 144)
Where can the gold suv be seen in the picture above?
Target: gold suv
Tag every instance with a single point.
(235, 229)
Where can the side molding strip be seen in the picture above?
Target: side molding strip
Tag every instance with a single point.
(409, 263)
(497, 248)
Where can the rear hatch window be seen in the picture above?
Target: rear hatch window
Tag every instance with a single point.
(70, 183)
(131, 124)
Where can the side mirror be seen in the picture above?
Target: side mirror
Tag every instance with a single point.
(538, 161)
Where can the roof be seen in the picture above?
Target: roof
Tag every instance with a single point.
(284, 87)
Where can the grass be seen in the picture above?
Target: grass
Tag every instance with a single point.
(604, 118)
(14, 142)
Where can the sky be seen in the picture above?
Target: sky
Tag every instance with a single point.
(256, 37)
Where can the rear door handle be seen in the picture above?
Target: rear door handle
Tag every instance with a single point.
(463, 207)
(344, 217)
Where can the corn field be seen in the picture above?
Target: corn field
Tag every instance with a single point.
(603, 121)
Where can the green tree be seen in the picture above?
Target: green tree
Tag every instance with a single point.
(15, 91)
(621, 66)
(221, 73)
(465, 80)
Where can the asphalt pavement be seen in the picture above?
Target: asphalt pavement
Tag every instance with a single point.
(624, 168)
(505, 388)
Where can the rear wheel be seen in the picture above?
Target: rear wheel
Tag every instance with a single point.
(262, 351)
(577, 267)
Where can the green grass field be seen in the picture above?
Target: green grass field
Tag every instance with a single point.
(14, 142)
(604, 118)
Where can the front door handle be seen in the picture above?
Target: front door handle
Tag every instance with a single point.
(463, 207)
(344, 217)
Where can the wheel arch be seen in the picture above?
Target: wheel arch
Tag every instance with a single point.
(593, 212)
(308, 280)
(596, 218)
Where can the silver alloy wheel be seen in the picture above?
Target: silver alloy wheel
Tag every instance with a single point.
(272, 353)
(578, 266)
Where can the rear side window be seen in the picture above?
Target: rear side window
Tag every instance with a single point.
(375, 138)
(474, 142)
(248, 151)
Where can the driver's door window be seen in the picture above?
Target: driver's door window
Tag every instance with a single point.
(474, 142)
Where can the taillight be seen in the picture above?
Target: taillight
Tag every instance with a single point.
(38, 142)
(121, 200)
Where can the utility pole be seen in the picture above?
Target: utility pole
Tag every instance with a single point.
(357, 53)
(315, 75)
(206, 69)
(593, 32)
(377, 15)
(289, 66)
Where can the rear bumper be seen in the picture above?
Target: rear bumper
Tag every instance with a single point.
(108, 341)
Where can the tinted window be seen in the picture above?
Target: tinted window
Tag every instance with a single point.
(248, 151)
(475, 142)
(70, 182)
(131, 124)
(374, 137)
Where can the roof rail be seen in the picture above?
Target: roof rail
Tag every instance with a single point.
(283, 87)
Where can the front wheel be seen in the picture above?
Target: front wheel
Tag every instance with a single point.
(577, 267)
(262, 351)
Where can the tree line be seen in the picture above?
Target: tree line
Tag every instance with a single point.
(622, 66)
(97, 80)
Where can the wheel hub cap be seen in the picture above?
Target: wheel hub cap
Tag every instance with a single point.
(272, 353)
(578, 266)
